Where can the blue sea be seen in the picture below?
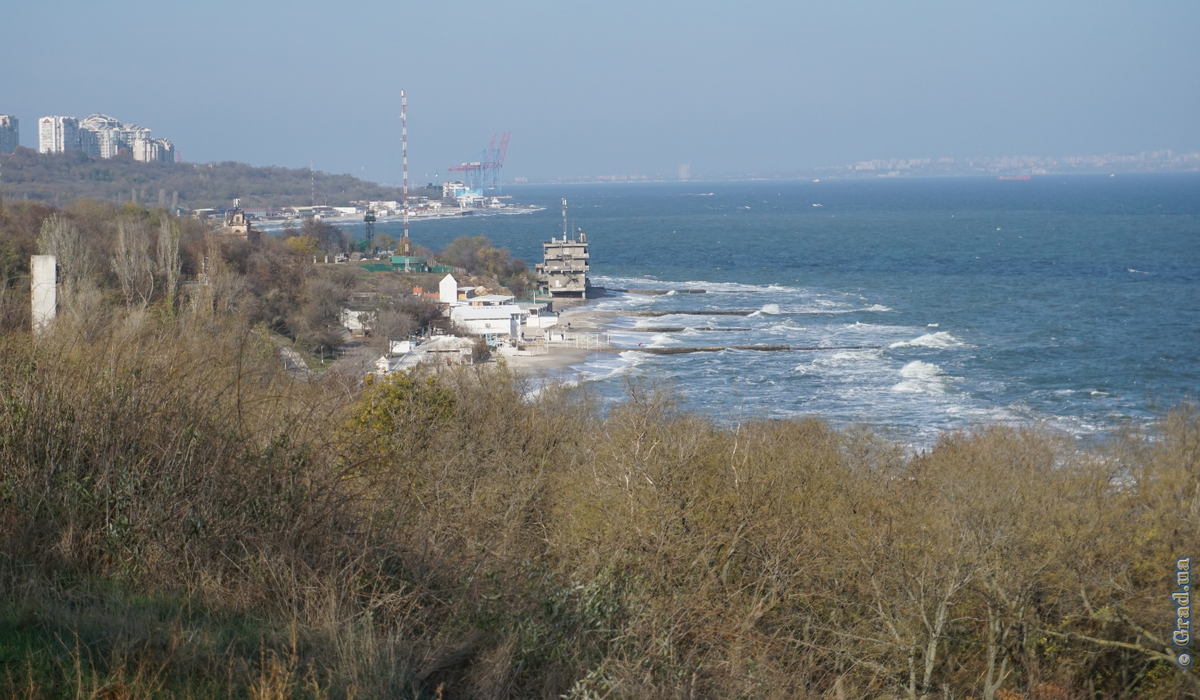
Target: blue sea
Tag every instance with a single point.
(1072, 302)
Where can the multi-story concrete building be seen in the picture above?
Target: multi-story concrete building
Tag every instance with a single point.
(58, 134)
(564, 267)
(153, 151)
(102, 136)
(565, 264)
(10, 133)
(98, 136)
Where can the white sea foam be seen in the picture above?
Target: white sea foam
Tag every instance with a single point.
(636, 282)
(842, 359)
(785, 326)
(824, 307)
(606, 366)
(772, 309)
(941, 339)
(661, 340)
(922, 377)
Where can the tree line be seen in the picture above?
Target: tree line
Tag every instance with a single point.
(60, 179)
(131, 257)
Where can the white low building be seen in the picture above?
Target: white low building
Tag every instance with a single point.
(501, 319)
(491, 300)
(537, 315)
(440, 351)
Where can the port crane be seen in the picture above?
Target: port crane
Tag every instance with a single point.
(485, 174)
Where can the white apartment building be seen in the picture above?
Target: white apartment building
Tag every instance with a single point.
(99, 136)
(58, 134)
(153, 151)
(102, 136)
(10, 133)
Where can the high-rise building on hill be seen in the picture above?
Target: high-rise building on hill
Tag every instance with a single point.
(58, 134)
(154, 151)
(10, 133)
(102, 136)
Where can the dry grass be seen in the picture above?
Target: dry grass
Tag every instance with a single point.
(178, 518)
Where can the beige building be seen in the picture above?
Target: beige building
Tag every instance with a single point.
(564, 267)
(238, 224)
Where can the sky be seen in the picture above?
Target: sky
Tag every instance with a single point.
(614, 87)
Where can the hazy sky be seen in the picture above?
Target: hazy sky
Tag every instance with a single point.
(613, 87)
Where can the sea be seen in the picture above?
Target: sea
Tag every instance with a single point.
(1068, 302)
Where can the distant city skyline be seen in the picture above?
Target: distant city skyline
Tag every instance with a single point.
(619, 87)
(101, 136)
(1144, 162)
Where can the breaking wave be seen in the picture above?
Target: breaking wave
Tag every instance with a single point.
(940, 339)
(922, 377)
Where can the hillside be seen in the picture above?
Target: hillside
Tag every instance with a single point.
(182, 517)
(61, 178)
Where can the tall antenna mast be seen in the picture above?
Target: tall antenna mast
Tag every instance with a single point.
(564, 219)
(312, 182)
(404, 157)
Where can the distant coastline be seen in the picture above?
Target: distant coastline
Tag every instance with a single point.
(1163, 161)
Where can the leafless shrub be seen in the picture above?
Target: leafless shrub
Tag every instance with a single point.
(466, 533)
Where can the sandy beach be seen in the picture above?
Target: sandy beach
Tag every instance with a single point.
(560, 355)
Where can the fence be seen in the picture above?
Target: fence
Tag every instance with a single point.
(589, 341)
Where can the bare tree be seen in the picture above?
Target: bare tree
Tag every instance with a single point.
(221, 289)
(61, 238)
(391, 324)
(132, 262)
(169, 263)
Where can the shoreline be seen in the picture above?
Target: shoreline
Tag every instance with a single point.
(451, 214)
(561, 356)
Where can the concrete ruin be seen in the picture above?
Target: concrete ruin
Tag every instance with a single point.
(44, 288)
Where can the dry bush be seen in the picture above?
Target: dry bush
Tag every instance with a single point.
(201, 521)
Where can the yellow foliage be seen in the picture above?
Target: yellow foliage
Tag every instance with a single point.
(401, 411)
(303, 245)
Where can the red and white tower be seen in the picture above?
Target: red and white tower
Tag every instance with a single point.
(404, 158)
